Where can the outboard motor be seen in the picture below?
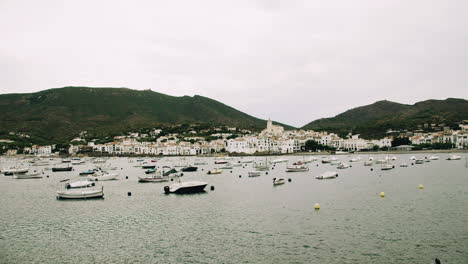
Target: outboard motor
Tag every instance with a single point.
(166, 189)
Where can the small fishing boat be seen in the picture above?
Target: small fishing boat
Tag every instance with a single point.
(220, 161)
(66, 160)
(104, 176)
(30, 175)
(454, 157)
(343, 166)
(15, 170)
(148, 166)
(185, 187)
(254, 173)
(215, 171)
(189, 169)
(246, 161)
(327, 175)
(278, 181)
(381, 161)
(297, 163)
(150, 171)
(368, 162)
(299, 168)
(79, 184)
(433, 157)
(153, 178)
(355, 159)
(88, 172)
(279, 160)
(387, 167)
(62, 168)
(83, 193)
(419, 161)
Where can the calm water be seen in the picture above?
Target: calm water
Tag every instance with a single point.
(244, 220)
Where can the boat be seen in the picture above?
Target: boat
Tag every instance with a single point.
(15, 170)
(391, 158)
(327, 175)
(186, 187)
(254, 173)
(368, 162)
(279, 160)
(171, 172)
(215, 171)
(412, 158)
(433, 157)
(227, 166)
(77, 162)
(403, 165)
(278, 181)
(246, 161)
(355, 159)
(343, 166)
(299, 168)
(153, 178)
(326, 160)
(104, 176)
(220, 161)
(79, 184)
(62, 168)
(40, 163)
(387, 167)
(261, 166)
(419, 161)
(83, 193)
(150, 171)
(189, 168)
(30, 175)
(99, 161)
(297, 163)
(88, 172)
(148, 166)
(66, 160)
(381, 161)
(200, 162)
(454, 157)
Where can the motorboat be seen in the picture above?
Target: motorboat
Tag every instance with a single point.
(226, 166)
(30, 175)
(148, 166)
(215, 171)
(278, 181)
(419, 161)
(403, 165)
(298, 163)
(83, 193)
(79, 184)
(368, 163)
(343, 166)
(412, 158)
(66, 160)
(104, 176)
(299, 168)
(246, 161)
(185, 187)
(433, 158)
(327, 175)
(279, 160)
(189, 169)
(381, 161)
(171, 172)
(150, 171)
(88, 172)
(454, 157)
(220, 161)
(355, 159)
(326, 160)
(254, 173)
(387, 167)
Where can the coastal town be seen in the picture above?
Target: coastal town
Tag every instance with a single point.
(274, 139)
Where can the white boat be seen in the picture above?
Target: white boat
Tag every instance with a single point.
(79, 184)
(16, 170)
(255, 173)
(403, 165)
(278, 181)
(227, 166)
(419, 161)
(104, 177)
(454, 157)
(246, 161)
(412, 158)
(387, 167)
(343, 166)
(298, 168)
(391, 158)
(66, 160)
(381, 161)
(279, 160)
(326, 160)
(368, 163)
(82, 193)
(153, 178)
(433, 157)
(77, 162)
(355, 159)
(371, 158)
(185, 187)
(327, 175)
(261, 166)
(30, 175)
(220, 161)
(96, 161)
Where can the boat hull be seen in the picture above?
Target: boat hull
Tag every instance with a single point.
(80, 194)
(191, 189)
(62, 169)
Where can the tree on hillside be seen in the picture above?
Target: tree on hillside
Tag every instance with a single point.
(398, 141)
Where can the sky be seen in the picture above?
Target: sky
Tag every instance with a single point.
(291, 61)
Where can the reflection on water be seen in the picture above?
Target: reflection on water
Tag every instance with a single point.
(245, 219)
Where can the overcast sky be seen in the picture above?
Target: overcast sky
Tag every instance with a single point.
(293, 61)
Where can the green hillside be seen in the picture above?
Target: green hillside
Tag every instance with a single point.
(374, 120)
(60, 114)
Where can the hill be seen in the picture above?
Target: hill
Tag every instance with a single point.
(374, 120)
(60, 114)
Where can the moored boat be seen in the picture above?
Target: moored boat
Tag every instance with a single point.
(186, 187)
(215, 171)
(327, 175)
(278, 181)
(83, 193)
(454, 157)
(254, 173)
(104, 176)
(79, 184)
(299, 168)
(61, 169)
(343, 166)
(30, 175)
(189, 169)
(387, 167)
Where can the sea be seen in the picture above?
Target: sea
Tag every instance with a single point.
(243, 219)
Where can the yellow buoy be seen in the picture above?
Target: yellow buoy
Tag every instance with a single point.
(382, 194)
(421, 186)
(317, 206)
